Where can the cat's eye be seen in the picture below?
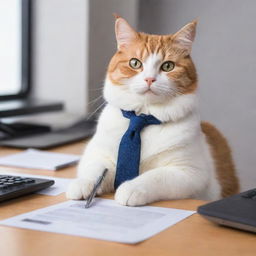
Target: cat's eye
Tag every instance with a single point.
(135, 63)
(167, 66)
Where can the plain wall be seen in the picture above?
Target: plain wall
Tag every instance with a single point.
(102, 42)
(60, 52)
(73, 41)
(225, 55)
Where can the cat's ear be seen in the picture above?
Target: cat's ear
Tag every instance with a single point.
(185, 36)
(125, 34)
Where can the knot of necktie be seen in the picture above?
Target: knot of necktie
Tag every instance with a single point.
(137, 123)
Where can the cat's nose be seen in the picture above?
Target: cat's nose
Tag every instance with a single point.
(150, 80)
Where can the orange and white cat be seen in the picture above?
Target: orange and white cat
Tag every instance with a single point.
(180, 158)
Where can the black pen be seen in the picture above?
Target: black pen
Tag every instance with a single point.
(95, 188)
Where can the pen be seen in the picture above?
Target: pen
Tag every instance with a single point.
(98, 183)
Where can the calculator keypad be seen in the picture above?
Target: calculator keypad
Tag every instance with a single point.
(12, 186)
(7, 181)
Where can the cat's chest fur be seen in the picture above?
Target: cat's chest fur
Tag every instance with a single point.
(155, 139)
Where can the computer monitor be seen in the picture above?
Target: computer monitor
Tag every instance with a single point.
(15, 62)
(16, 99)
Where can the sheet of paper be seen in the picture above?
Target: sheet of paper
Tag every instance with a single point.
(37, 159)
(60, 184)
(105, 220)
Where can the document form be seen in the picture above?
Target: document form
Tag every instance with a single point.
(105, 220)
(38, 159)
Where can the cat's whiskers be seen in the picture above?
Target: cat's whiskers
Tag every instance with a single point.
(96, 89)
(94, 100)
(92, 113)
(158, 90)
(169, 91)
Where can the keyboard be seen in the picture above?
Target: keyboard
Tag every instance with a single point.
(251, 194)
(14, 186)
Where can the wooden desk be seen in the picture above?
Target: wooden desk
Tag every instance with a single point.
(193, 236)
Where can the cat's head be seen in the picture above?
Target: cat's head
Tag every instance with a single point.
(150, 69)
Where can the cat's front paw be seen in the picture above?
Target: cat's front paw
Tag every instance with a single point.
(79, 189)
(131, 194)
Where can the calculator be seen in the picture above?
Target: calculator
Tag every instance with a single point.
(12, 186)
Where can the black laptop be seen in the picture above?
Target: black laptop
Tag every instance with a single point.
(238, 211)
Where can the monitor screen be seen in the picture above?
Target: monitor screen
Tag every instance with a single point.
(13, 56)
(15, 62)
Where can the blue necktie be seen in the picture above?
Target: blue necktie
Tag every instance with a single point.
(128, 161)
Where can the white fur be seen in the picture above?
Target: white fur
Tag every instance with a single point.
(175, 158)
(163, 88)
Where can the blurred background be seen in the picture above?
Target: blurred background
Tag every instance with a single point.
(72, 42)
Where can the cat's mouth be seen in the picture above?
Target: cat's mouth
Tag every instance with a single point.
(151, 92)
(148, 91)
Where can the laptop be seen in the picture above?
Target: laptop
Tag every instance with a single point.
(237, 211)
(49, 139)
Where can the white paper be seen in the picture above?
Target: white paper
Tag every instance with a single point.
(105, 220)
(60, 184)
(37, 159)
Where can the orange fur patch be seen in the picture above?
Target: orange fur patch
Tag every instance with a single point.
(184, 73)
(222, 156)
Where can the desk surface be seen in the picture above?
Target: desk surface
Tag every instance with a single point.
(193, 236)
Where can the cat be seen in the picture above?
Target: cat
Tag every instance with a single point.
(180, 158)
